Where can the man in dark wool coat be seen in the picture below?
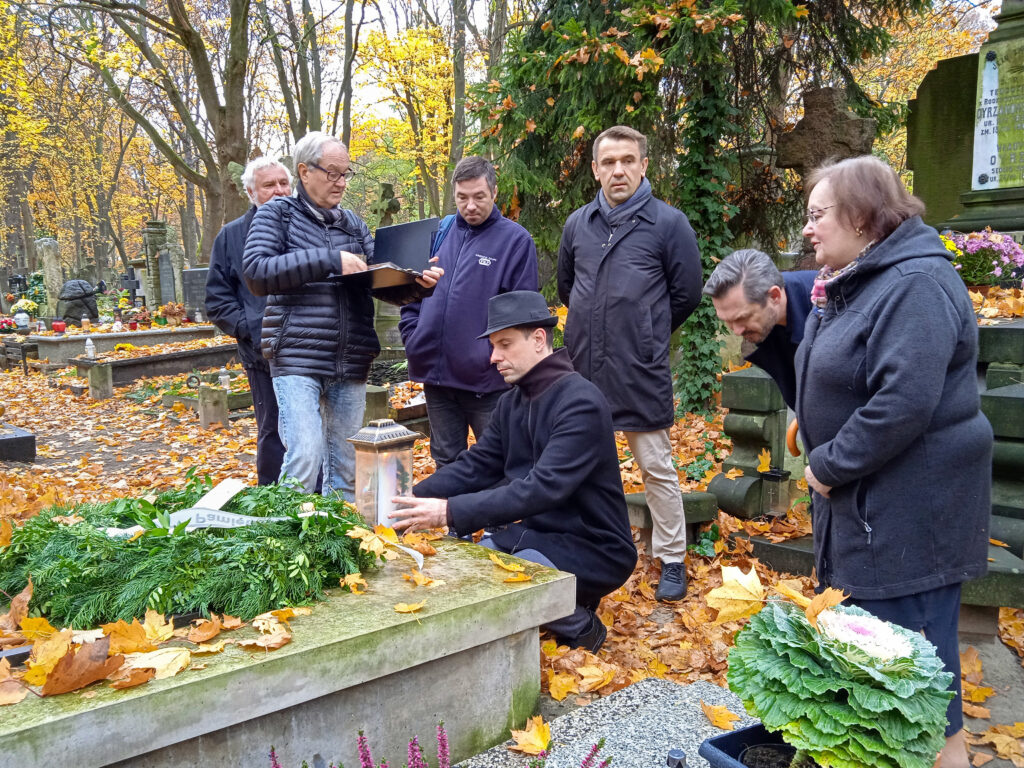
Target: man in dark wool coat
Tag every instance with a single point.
(544, 475)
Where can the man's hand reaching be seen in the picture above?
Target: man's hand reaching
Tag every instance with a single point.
(417, 514)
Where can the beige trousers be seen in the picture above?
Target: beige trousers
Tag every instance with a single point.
(653, 453)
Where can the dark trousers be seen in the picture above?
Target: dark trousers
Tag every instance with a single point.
(269, 448)
(936, 613)
(452, 412)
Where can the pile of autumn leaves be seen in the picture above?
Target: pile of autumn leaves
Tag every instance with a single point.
(126, 654)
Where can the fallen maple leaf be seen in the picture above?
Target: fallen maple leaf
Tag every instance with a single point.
(128, 638)
(822, 601)
(135, 677)
(976, 710)
(227, 623)
(167, 662)
(34, 629)
(764, 460)
(269, 641)
(791, 588)
(517, 577)
(720, 717)
(158, 629)
(45, 655)
(6, 531)
(409, 607)
(741, 595)
(11, 691)
(533, 739)
(353, 581)
(210, 648)
(561, 684)
(204, 629)
(81, 666)
(420, 579)
(17, 611)
(594, 677)
(734, 473)
(514, 567)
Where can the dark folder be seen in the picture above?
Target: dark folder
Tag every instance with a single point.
(401, 254)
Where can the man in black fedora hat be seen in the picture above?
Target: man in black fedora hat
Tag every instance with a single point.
(544, 475)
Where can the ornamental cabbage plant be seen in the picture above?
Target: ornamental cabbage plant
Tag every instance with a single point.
(855, 691)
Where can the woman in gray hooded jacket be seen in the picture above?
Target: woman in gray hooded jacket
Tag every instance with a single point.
(899, 454)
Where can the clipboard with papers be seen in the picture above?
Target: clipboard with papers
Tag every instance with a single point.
(401, 254)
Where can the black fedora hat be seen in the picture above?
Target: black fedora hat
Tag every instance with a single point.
(508, 310)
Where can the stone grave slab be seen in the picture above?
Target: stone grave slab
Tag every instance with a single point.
(469, 658)
(166, 364)
(62, 349)
(16, 444)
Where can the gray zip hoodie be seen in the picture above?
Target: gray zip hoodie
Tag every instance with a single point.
(888, 407)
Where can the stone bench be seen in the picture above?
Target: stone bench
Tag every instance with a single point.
(698, 507)
(1002, 586)
(469, 658)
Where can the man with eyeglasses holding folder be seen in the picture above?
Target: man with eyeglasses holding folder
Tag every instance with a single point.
(318, 332)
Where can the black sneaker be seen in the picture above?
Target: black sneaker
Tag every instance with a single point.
(592, 638)
(672, 586)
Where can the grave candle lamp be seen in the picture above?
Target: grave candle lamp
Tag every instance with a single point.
(383, 468)
(774, 492)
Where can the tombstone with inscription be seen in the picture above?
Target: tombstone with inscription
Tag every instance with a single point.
(193, 282)
(976, 177)
(168, 284)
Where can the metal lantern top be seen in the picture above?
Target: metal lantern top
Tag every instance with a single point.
(384, 435)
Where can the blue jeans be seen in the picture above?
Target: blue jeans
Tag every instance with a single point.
(316, 416)
(451, 413)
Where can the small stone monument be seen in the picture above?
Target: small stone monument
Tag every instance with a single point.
(828, 130)
(213, 407)
(16, 444)
(49, 254)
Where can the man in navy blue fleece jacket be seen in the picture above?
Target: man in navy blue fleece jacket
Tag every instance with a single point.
(545, 470)
(766, 307)
(483, 254)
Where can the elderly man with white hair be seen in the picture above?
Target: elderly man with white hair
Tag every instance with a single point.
(318, 332)
(233, 308)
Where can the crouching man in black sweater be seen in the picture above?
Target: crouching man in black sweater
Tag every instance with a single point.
(544, 474)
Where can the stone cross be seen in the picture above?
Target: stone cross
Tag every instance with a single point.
(828, 130)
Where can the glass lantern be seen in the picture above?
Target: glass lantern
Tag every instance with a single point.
(775, 492)
(383, 468)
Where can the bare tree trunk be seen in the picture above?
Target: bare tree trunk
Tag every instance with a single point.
(499, 28)
(459, 102)
(22, 179)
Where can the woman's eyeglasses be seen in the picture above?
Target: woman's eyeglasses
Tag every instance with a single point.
(813, 217)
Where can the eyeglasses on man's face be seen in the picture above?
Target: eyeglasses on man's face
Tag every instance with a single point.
(813, 217)
(334, 175)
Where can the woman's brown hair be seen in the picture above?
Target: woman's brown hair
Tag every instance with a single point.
(867, 193)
